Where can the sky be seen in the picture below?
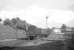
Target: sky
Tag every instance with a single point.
(35, 11)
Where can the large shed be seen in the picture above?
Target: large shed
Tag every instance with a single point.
(7, 32)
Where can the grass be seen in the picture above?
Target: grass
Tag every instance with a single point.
(58, 45)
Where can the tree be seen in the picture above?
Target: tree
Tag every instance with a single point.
(7, 22)
(63, 28)
(0, 19)
(14, 21)
(32, 30)
(21, 24)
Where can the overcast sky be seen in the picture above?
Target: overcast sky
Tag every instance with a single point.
(35, 11)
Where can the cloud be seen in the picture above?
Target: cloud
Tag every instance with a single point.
(49, 4)
(59, 17)
(71, 5)
(11, 14)
(35, 11)
(35, 15)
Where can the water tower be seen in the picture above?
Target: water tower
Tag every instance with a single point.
(47, 21)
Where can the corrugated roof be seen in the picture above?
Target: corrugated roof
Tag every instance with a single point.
(7, 32)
